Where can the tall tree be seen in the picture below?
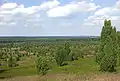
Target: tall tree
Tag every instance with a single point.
(106, 31)
(107, 53)
(108, 62)
(118, 43)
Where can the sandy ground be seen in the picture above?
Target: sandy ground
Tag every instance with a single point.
(64, 77)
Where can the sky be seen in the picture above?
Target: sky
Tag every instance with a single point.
(57, 17)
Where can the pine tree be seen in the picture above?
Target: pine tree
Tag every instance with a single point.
(118, 50)
(107, 53)
(108, 62)
(115, 45)
(106, 31)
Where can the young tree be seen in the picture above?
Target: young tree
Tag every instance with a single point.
(60, 56)
(11, 61)
(75, 54)
(42, 65)
(67, 51)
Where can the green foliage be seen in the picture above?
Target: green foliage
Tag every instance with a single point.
(43, 63)
(108, 62)
(23, 51)
(66, 51)
(11, 61)
(76, 53)
(118, 44)
(0, 59)
(60, 56)
(73, 56)
(106, 31)
(107, 53)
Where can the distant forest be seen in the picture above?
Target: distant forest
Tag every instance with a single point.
(47, 39)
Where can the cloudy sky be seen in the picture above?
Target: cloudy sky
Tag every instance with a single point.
(57, 17)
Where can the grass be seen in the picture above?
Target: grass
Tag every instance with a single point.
(79, 70)
(81, 66)
(26, 67)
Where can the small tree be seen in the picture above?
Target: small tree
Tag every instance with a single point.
(66, 51)
(60, 56)
(42, 65)
(11, 61)
(75, 54)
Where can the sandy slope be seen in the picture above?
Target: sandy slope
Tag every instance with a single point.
(64, 77)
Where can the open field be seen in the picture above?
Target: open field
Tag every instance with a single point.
(81, 66)
(82, 69)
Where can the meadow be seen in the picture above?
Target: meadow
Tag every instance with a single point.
(83, 68)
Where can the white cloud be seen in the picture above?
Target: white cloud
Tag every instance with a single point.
(109, 10)
(36, 20)
(118, 5)
(12, 12)
(112, 13)
(97, 21)
(72, 8)
(49, 4)
(27, 11)
(9, 6)
(13, 8)
(104, 11)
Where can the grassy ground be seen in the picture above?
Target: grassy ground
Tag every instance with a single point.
(27, 67)
(81, 67)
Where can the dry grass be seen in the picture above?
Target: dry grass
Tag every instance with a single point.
(69, 77)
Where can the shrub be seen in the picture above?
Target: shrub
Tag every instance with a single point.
(44, 63)
(11, 61)
(60, 56)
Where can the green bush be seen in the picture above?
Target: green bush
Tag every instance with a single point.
(44, 63)
(11, 61)
(60, 56)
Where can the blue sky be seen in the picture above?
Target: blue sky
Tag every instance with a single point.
(57, 17)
